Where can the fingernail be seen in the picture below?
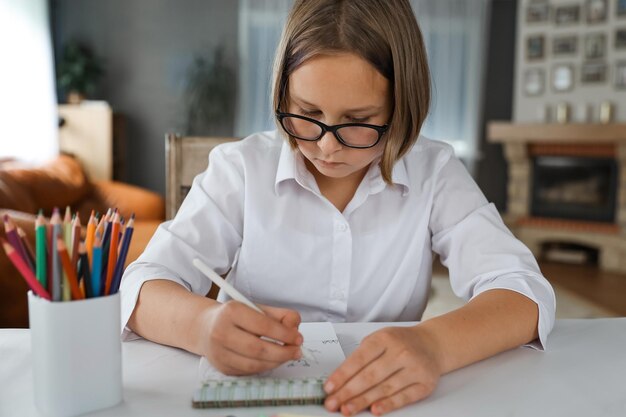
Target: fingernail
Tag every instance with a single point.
(350, 409)
(328, 387)
(298, 354)
(299, 340)
(331, 404)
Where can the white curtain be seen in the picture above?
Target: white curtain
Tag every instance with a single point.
(455, 37)
(260, 26)
(28, 115)
(455, 33)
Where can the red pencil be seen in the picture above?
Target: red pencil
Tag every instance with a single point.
(26, 272)
(69, 270)
(115, 229)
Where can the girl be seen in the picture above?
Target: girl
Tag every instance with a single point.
(334, 217)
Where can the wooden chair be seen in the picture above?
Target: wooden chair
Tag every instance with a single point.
(185, 157)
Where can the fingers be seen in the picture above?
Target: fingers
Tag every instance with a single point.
(364, 355)
(394, 392)
(233, 363)
(407, 395)
(263, 325)
(253, 347)
(287, 317)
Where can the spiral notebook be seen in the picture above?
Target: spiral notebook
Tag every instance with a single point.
(295, 382)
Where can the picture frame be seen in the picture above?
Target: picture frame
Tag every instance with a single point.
(595, 45)
(538, 11)
(565, 45)
(593, 72)
(534, 80)
(620, 75)
(620, 38)
(596, 11)
(562, 77)
(620, 8)
(567, 14)
(535, 47)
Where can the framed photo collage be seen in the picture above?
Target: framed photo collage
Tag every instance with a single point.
(577, 40)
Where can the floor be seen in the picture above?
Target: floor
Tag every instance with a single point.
(581, 291)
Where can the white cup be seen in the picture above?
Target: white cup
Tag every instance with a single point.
(77, 354)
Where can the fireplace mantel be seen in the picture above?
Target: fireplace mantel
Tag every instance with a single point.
(524, 141)
(573, 133)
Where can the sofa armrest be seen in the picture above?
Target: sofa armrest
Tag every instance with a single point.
(146, 204)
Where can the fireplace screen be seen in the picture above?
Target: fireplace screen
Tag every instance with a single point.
(574, 188)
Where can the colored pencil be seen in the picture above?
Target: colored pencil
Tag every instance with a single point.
(91, 233)
(24, 270)
(11, 233)
(112, 258)
(96, 269)
(27, 246)
(83, 261)
(70, 270)
(67, 237)
(76, 231)
(121, 260)
(57, 273)
(41, 266)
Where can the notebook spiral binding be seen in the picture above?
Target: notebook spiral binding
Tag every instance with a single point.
(251, 392)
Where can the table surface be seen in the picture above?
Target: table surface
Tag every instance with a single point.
(583, 373)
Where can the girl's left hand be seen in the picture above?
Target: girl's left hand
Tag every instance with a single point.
(392, 367)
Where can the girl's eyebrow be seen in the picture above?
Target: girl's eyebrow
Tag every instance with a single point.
(353, 110)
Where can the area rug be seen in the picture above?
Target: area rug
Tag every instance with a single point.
(568, 304)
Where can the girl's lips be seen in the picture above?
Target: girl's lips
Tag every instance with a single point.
(329, 164)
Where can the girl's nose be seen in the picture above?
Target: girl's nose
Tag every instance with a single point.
(329, 144)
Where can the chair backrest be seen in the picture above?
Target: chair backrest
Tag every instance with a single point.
(185, 157)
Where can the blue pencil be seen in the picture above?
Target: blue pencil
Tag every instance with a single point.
(121, 259)
(96, 267)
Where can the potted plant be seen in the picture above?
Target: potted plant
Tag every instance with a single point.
(79, 71)
(209, 94)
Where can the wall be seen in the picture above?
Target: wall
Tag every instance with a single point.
(147, 46)
(583, 98)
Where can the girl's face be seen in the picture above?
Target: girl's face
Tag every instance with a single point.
(336, 89)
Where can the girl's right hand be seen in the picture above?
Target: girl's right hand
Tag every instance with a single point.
(230, 337)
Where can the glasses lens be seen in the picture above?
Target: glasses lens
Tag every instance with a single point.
(358, 135)
(301, 128)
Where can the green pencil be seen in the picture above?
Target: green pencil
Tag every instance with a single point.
(41, 267)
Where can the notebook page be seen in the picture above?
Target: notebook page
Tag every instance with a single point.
(323, 356)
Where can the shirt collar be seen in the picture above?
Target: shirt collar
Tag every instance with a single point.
(291, 167)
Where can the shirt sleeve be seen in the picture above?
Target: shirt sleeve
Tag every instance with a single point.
(479, 251)
(208, 225)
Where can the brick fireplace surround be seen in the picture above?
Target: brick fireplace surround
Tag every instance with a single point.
(522, 142)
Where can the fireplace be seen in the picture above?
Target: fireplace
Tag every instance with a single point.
(566, 190)
(577, 188)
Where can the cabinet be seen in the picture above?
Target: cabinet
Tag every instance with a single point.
(96, 136)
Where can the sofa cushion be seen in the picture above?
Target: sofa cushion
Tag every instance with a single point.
(59, 183)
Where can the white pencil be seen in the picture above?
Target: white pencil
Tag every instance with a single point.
(235, 295)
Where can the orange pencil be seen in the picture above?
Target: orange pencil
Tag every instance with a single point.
(26, 272)
(69, 270)
(91, 233)
(115, 230)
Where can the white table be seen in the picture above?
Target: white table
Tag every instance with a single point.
(583, 373)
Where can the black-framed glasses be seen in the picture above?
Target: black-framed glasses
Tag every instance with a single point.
(352, 135)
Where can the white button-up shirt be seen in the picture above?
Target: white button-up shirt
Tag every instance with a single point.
(258, 212)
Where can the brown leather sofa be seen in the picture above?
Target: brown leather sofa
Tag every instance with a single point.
(61, 183)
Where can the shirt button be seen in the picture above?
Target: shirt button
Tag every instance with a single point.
(338, 294)
(341, 227)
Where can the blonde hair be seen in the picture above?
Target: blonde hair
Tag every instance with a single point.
(383, 32)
